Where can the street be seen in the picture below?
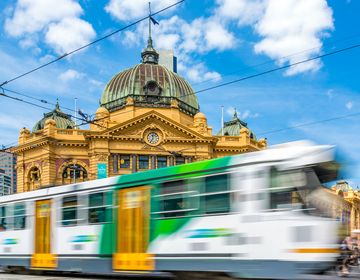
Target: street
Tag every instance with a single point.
(7, 276)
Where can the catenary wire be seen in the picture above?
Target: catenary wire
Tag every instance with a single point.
(89, 44)
(37, 99)
(253, 76)
(347, 38)
(272, 70)
(42, 107)
(309, 123)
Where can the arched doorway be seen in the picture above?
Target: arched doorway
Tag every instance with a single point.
(74, 173)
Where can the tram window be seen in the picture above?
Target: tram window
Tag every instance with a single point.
(217, 196)
(69, 211)
(174, 199)
(283, 189)
(3, 224)
(19, 216)
(99, 209)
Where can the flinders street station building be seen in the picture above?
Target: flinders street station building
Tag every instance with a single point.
(149, 117)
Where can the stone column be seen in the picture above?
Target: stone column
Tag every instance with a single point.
(171, 161)
(133, 163)
(153, 162)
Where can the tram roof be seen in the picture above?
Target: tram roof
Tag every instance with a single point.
(289, 155)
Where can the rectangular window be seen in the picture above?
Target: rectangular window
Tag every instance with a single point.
(217, 196)
(284, 192)
(175, 200)
(69, 211)
(99, 208)
(143, 162)
(19, 216)
(124, 161)
(3, 225)
(179, 160)
(161, 161)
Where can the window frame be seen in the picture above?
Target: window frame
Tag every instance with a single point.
(14, 216)
(128, 158)
(76, 208)
(204, 195)
(163, 161)
(4, 218)
(107, 207)
(143, 161)
(186, 195)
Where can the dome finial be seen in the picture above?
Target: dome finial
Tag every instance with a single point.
(57, 106)
(235, 114)
(149, 55)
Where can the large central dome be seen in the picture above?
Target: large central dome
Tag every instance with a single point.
(149, 85)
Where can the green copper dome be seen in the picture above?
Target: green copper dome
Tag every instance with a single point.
(149, 85)
(61, 119)
(233, 127)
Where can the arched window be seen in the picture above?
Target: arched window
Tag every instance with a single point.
(73, 173)
(34, 174)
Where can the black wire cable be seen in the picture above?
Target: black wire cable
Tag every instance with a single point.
(273, 70)
(347, 38)
(37, 99)
(84, 121)
(309, 123)
(89, 44)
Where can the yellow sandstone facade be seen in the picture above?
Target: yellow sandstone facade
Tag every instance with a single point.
(148, 118)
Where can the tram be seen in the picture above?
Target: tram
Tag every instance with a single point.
(244, 216)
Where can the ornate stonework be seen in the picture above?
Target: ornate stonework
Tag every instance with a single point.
(149, 118)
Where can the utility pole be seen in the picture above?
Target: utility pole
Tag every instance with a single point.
(222, 120)
(75, 102)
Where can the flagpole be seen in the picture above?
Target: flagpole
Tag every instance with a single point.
(149, 19)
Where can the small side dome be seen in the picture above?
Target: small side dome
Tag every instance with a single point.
(24, 130)
(50, 122)
(200, 116)
(102, 111)
(61, 119)
(244, 130)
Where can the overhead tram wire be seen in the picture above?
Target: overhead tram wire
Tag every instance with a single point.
(274, 60)
(42, 107)
(90, 44)
(37, 99)
(309, 124)
(250, 67)
(273, 70)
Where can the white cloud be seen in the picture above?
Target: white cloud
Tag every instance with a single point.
(31, 16)
(242, 115)
(247, 114)
(69, 34)
(134, 9)
(186, 39)
(286, 27)
(330, 93)
(70, 75)
(199, 73)
(58, 20)
(245, 12)
(349, 105)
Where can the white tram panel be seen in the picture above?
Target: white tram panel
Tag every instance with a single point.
(20, 241)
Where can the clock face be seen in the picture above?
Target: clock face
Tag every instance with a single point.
(153, 137)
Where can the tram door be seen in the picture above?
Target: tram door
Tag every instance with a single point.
(133, 230)
(42, 257)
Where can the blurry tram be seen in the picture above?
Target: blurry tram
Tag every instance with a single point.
(244, 216)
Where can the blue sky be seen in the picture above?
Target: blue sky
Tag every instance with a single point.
(215, 41)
